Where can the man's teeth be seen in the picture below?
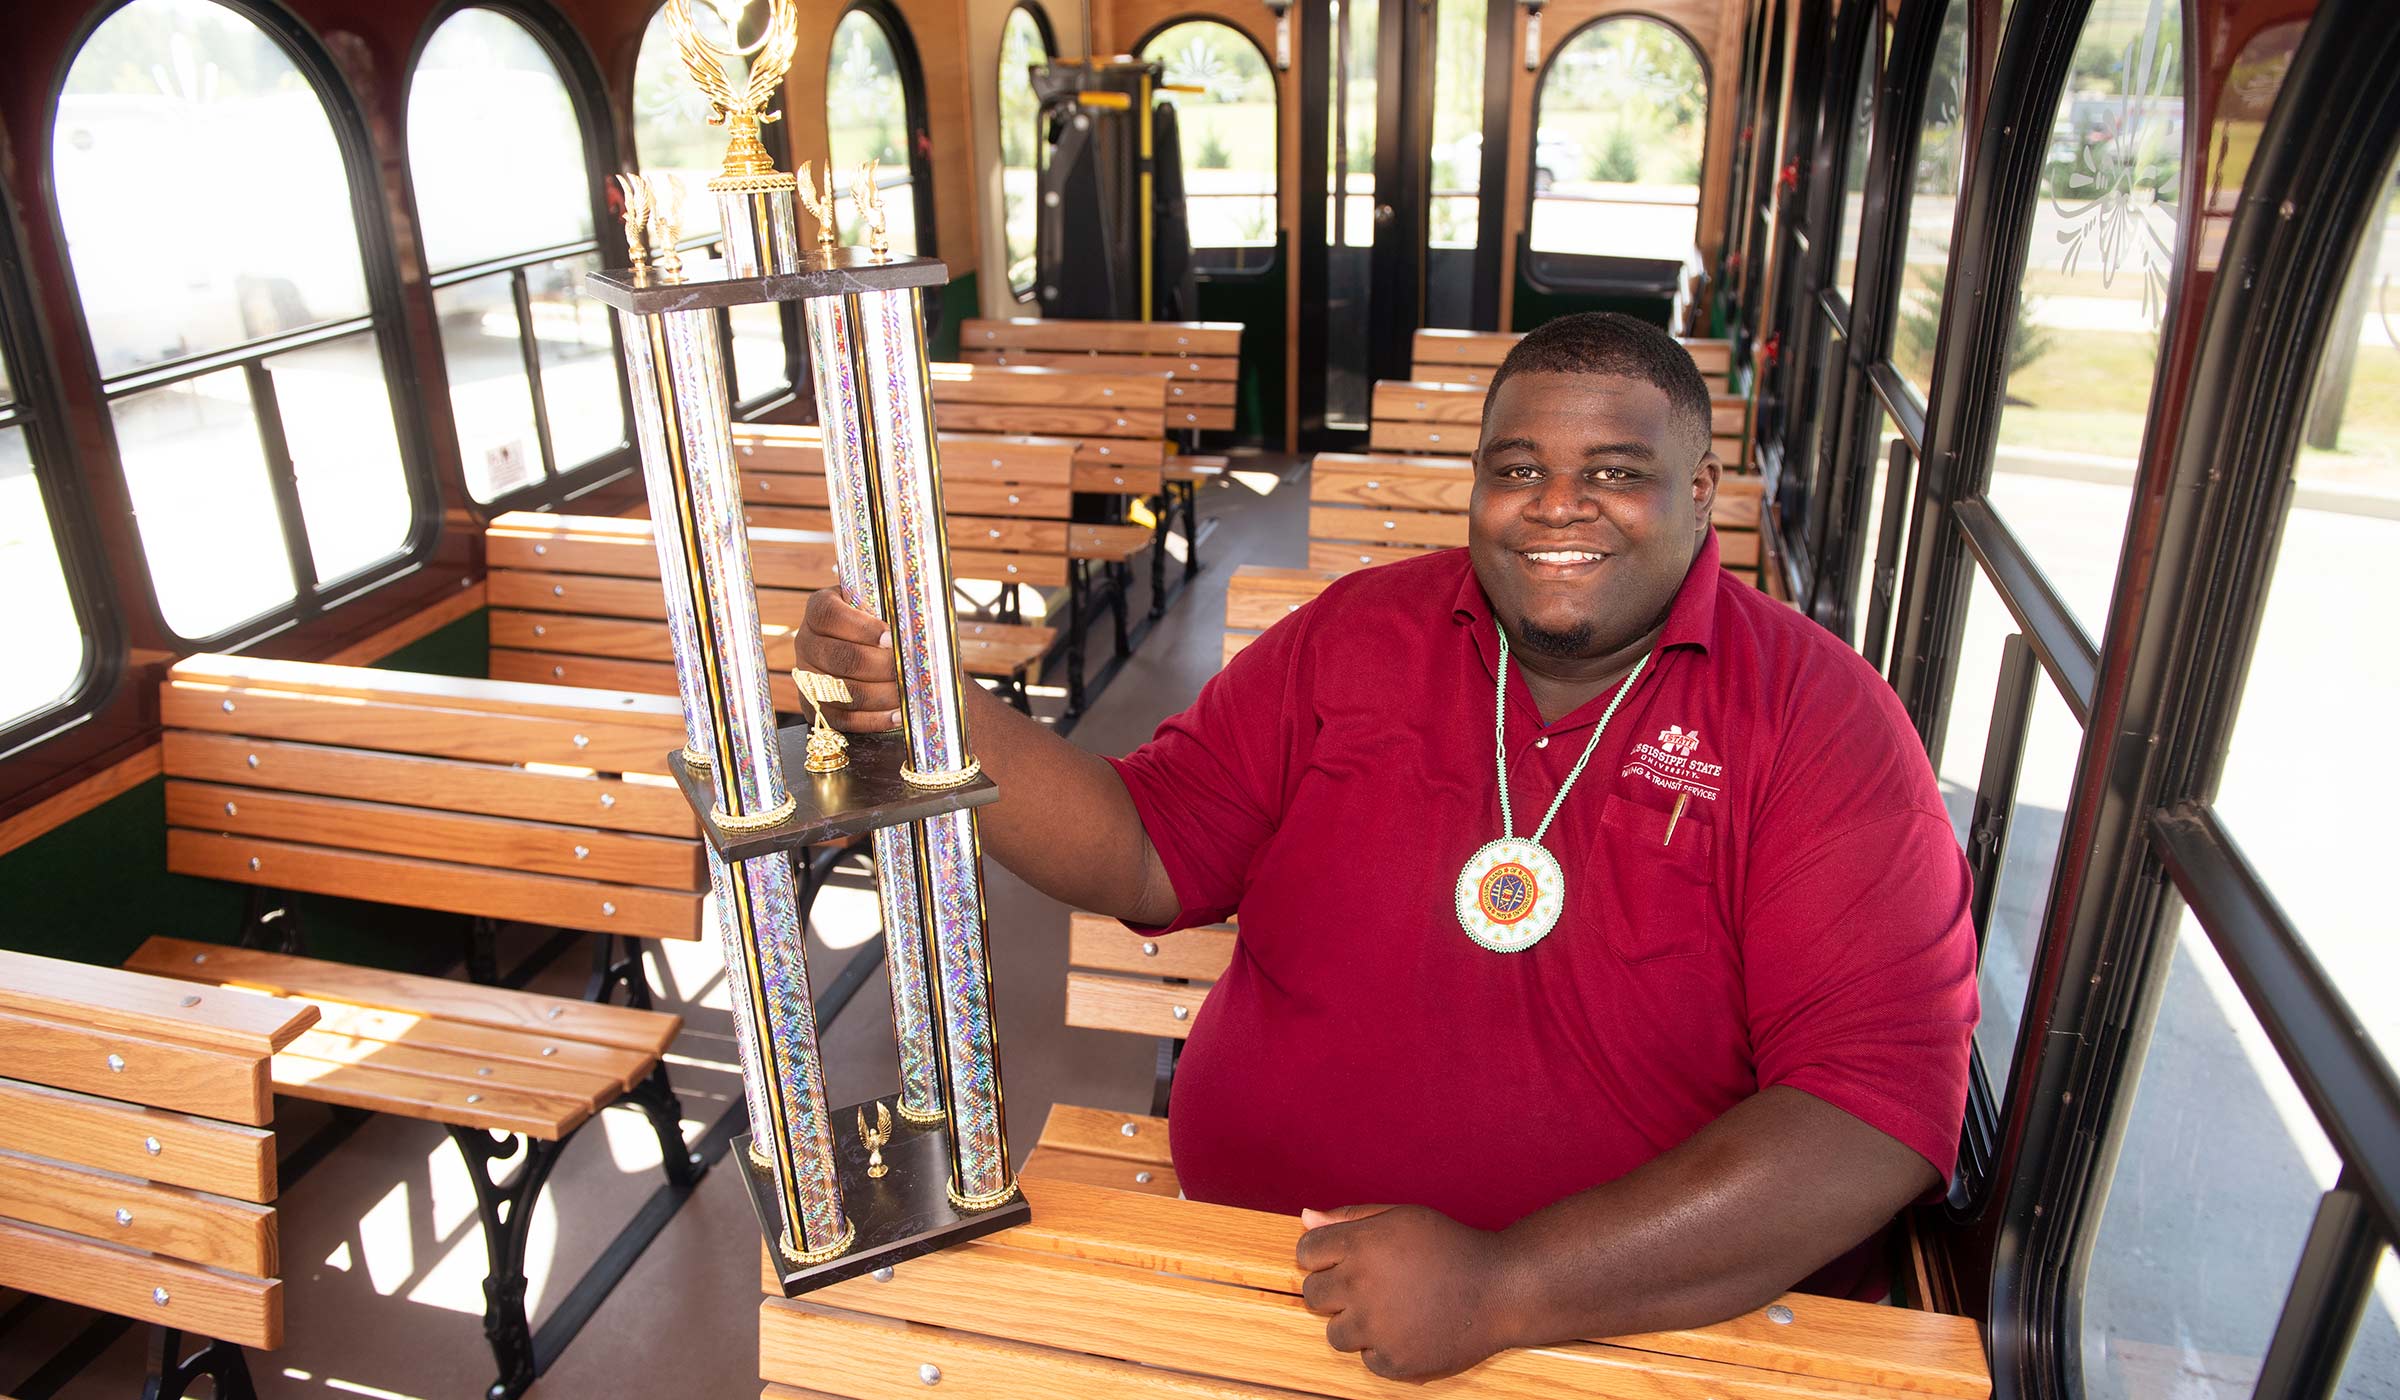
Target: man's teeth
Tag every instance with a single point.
(1563, 556)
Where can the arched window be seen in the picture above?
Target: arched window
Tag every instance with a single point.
(1620, 119)
(875, 110)
(672, 137)
(238, 344)
(1025, 43)
(1859, 139)
(1229, 136)
(508, 233)
(1930, 203)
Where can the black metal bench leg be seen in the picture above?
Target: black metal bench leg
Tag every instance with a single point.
(506, 1209)
(1190, 492)
(611, 972)
(483, 951)
(655, 1097)
(1120, 576)
(269, 922)
(1162, 529)
(1078, 583)
(1162, 1083)
(172, 1373)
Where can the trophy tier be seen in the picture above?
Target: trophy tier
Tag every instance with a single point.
(864, 795)
(823, 273)
(905, 1214)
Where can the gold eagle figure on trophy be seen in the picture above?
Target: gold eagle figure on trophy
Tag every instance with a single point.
(824, 206)
(874, 1138)
(653, 224)
(747, 164)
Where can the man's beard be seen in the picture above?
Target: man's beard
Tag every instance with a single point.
(1572, 642)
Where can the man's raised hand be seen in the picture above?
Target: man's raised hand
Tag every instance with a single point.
(839, 640)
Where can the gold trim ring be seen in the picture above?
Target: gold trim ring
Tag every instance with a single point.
(913, 1116)
(757, 821)
(985, 1201)
(696, 761)
(834, 1250)
(759, 1159)
(942, 777)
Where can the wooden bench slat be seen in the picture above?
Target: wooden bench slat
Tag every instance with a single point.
(586, 544)
(1385, 435)
(1737, 548)
(1407, 401)
(848, 1355)
(1110, 542)
(1400, 483)
(420, 729)
(593, 1091)
(1105, 479)
(170, 1074)
(378, 1090)
(620, 1066)
(1347, 558)
(1196, 392)
(1258, 597)
(466, 838)
(1130, 337)
(234, 675)
(1099, 1133)
(1431, 529)
(1032, 386)
(113, 1279)
(424, 884)
(1096, 1002)
(1111, 452)
(1177, 368)
(773, 451)
(1738, 502)
(1049, 1163)
(217, 1231)
(596, 595)
(111, 999)
(960, 496)
(996, 656)
(471, 1003)
(1101, 944)
(205, 1154)
(953, 415)
(654, 807)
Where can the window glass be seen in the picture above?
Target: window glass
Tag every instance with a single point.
(573, 338)
(2374, 1357)
(491, 401)
(1619, 121)
(2085, 341)
(337, 424)
(1228, 130)
(671, 132)
(43, 640)
(494, 149)
(866, 117)
(2314, 827)
(1939, 175)
(1862, 583)
(1021, 48)
(1457, 122)
(184, 105)
(1854, 163)
(2045, 773)
(1350, 150)
(2209, 1205)
(201, 501)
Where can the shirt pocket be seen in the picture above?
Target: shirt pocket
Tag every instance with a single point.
(1659, 900)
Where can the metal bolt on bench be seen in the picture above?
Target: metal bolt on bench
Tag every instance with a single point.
(950, 1179)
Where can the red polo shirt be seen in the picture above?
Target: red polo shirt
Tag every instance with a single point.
(1807, 924)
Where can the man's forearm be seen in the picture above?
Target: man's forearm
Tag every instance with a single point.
(1766, 1195)
(1063, 822)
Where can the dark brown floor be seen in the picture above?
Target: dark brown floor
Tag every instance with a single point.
(382, 1259)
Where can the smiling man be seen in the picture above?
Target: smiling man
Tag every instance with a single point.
(1604, 960)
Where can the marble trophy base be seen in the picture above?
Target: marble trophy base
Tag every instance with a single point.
(867, 794)
(903, 1215)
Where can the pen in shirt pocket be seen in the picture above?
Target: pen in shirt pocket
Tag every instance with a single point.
(1674, 817)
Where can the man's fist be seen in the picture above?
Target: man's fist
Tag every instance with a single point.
(838, 640)
(1415, 1293)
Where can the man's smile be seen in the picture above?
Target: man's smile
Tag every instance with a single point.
(1561, 563)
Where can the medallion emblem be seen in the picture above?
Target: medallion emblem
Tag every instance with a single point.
(1510, 895)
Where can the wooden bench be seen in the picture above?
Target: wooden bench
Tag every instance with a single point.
(1431, 417)
(136, 1165)
(1118, 980)
(576, 601)
(1116, 1289)
(512, 1076)
(1469, 357)
(1201, 362)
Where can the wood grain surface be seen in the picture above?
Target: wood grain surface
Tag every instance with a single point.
(1101, 944)
(112, 1279)
(1328, 557)
(652, 804)
(1258, 597)
(598, 595)
(1121, 337)
(470, 1003)
(228, 1159)
(1177, 368)
(423, 884)
(1103, 1003)
(1431, 529)
(1407, 401)
(1127, 421)
(1110, 542)
(1390, 435)
(1100, 1133)
(218, 1231)
(370, 1086)
(620, 1066)
(1137, 452)
(1035, 387)
(1103, 479)
(592, 741)
(112, 999)
(1049, 1163)
(170, 1074)
(1393, 481)
(234, 674)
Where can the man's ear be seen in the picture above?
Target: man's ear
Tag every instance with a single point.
(1705, 473)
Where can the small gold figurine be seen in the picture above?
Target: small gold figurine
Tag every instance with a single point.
(828, 751)
(870, 210)
(637, 220)
(666, 228)
(823, 206)
(874, 1138)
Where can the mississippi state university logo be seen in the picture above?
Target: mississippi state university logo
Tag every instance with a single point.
(1676, 739)
(1673, 761)
(1506, 894)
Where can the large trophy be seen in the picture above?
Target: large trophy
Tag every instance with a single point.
(842, 1192)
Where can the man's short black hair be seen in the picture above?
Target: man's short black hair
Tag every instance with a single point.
(1609, 342)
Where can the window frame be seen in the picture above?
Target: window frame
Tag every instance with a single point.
(579, 74)
(911, 63)
(1618, 275)
(1041, 24)
(37, 411)
(1271, 267)
(384, 320)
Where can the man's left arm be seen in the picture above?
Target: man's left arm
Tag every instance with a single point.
(1858, 969)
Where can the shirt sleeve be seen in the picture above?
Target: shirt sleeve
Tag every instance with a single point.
(1213, 784)
(1859, 972)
